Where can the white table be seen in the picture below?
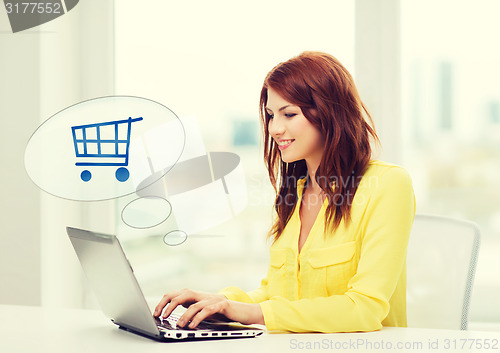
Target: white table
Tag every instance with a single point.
(33, 329)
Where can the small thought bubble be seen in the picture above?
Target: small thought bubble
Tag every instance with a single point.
(175, 237)
(104, 148)
(146, 212)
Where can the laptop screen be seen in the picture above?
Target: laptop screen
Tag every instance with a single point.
(112, 280)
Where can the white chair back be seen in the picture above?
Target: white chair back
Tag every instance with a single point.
(441, 263)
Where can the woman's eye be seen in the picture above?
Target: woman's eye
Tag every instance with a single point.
(270, 116)
(290, 115)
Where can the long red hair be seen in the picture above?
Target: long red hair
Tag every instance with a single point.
(325, 92)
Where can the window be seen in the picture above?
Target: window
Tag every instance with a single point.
(451, 103)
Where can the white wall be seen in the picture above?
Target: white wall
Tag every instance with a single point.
(378, 70)
(19, 197)
(44, 70)
(77, 61)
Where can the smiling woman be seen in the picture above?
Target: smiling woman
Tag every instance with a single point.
(338, 260)
(290, 127)
(334, 134)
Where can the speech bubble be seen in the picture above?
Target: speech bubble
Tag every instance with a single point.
(104, 148)
(175, 237)
(146, 212)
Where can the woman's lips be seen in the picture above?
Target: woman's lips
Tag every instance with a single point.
(286, 145)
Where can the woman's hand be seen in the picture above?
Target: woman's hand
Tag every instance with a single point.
(203, 305)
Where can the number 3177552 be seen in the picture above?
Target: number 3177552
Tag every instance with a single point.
(33, 7)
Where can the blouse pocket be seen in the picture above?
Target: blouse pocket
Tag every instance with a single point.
(277, 268)
(334, 266)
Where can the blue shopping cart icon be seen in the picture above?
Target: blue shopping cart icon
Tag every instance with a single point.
(104, 144)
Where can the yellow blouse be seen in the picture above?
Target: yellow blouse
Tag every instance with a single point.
(353, 279)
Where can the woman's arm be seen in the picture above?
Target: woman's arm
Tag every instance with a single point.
(203, 305)
(256, 296)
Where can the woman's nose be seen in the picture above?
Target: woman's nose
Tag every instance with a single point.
(276, 128)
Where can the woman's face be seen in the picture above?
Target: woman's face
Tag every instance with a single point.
(295, 136)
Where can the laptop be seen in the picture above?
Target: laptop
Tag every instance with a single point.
(112, 279)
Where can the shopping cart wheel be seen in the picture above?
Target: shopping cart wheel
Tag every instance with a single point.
(122, 174)
(86, 175)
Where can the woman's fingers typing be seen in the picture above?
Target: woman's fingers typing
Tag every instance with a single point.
(199, 306)
(172, 300)
(202, 310)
